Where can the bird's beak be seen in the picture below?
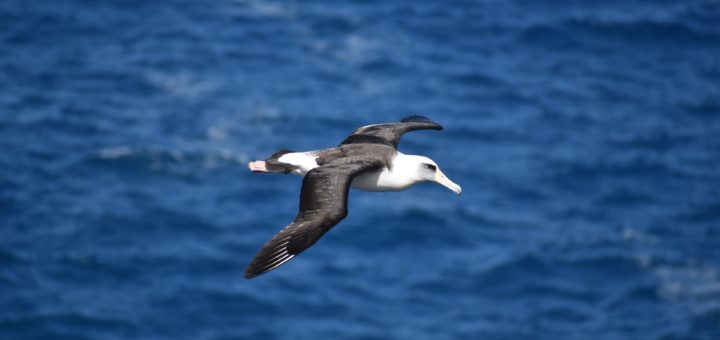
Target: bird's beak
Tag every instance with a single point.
(446, 182)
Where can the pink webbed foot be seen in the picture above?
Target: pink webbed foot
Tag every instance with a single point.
(258, 166)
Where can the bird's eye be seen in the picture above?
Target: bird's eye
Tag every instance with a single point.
(431, 167)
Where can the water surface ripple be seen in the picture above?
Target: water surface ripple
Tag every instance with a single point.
(585, 136)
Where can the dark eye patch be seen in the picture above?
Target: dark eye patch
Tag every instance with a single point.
(431, 167)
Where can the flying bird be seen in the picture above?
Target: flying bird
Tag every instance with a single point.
(367, 160)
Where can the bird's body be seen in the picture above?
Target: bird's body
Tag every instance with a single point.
(367, 160)
(388, 178)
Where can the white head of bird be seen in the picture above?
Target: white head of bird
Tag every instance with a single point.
(421, 169)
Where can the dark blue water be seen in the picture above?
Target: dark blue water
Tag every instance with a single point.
(586, 136)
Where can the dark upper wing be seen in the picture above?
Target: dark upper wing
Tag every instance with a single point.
(390, 133)
(323, 203)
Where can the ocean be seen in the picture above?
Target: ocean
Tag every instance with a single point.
(585, 135)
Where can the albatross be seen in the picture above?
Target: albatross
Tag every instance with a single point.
(367, 160)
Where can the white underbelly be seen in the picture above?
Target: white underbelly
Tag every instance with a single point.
(379, 180)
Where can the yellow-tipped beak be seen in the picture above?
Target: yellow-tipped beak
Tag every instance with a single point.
(446, 182)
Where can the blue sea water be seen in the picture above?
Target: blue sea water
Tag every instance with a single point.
(586, 136)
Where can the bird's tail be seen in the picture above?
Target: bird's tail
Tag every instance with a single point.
(272, 164)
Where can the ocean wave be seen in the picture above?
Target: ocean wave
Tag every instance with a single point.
(186, 86)
(264, 9)
(8, 258)
(698, 286)
(167, 159)
(63, 324)
(629, 166)
(577, 31)
(408, 229)
(584, 134)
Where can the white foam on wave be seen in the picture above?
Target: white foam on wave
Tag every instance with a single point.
(115, 152)
(356, 49)
(267, 9)
(169, 159)
(182, 85)
(691, 284)
(251, 120)
(217, 132)
(697, 286)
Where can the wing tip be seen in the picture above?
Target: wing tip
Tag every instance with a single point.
(421, 119)
(257, 268)
(253, 273)
(417, 118)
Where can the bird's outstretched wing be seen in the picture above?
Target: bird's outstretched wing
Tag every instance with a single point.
(323, 203)
(390, 133)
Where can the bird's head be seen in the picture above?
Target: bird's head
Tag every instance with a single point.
(424, 169)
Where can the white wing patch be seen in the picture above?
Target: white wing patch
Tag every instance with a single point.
(304, 161)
